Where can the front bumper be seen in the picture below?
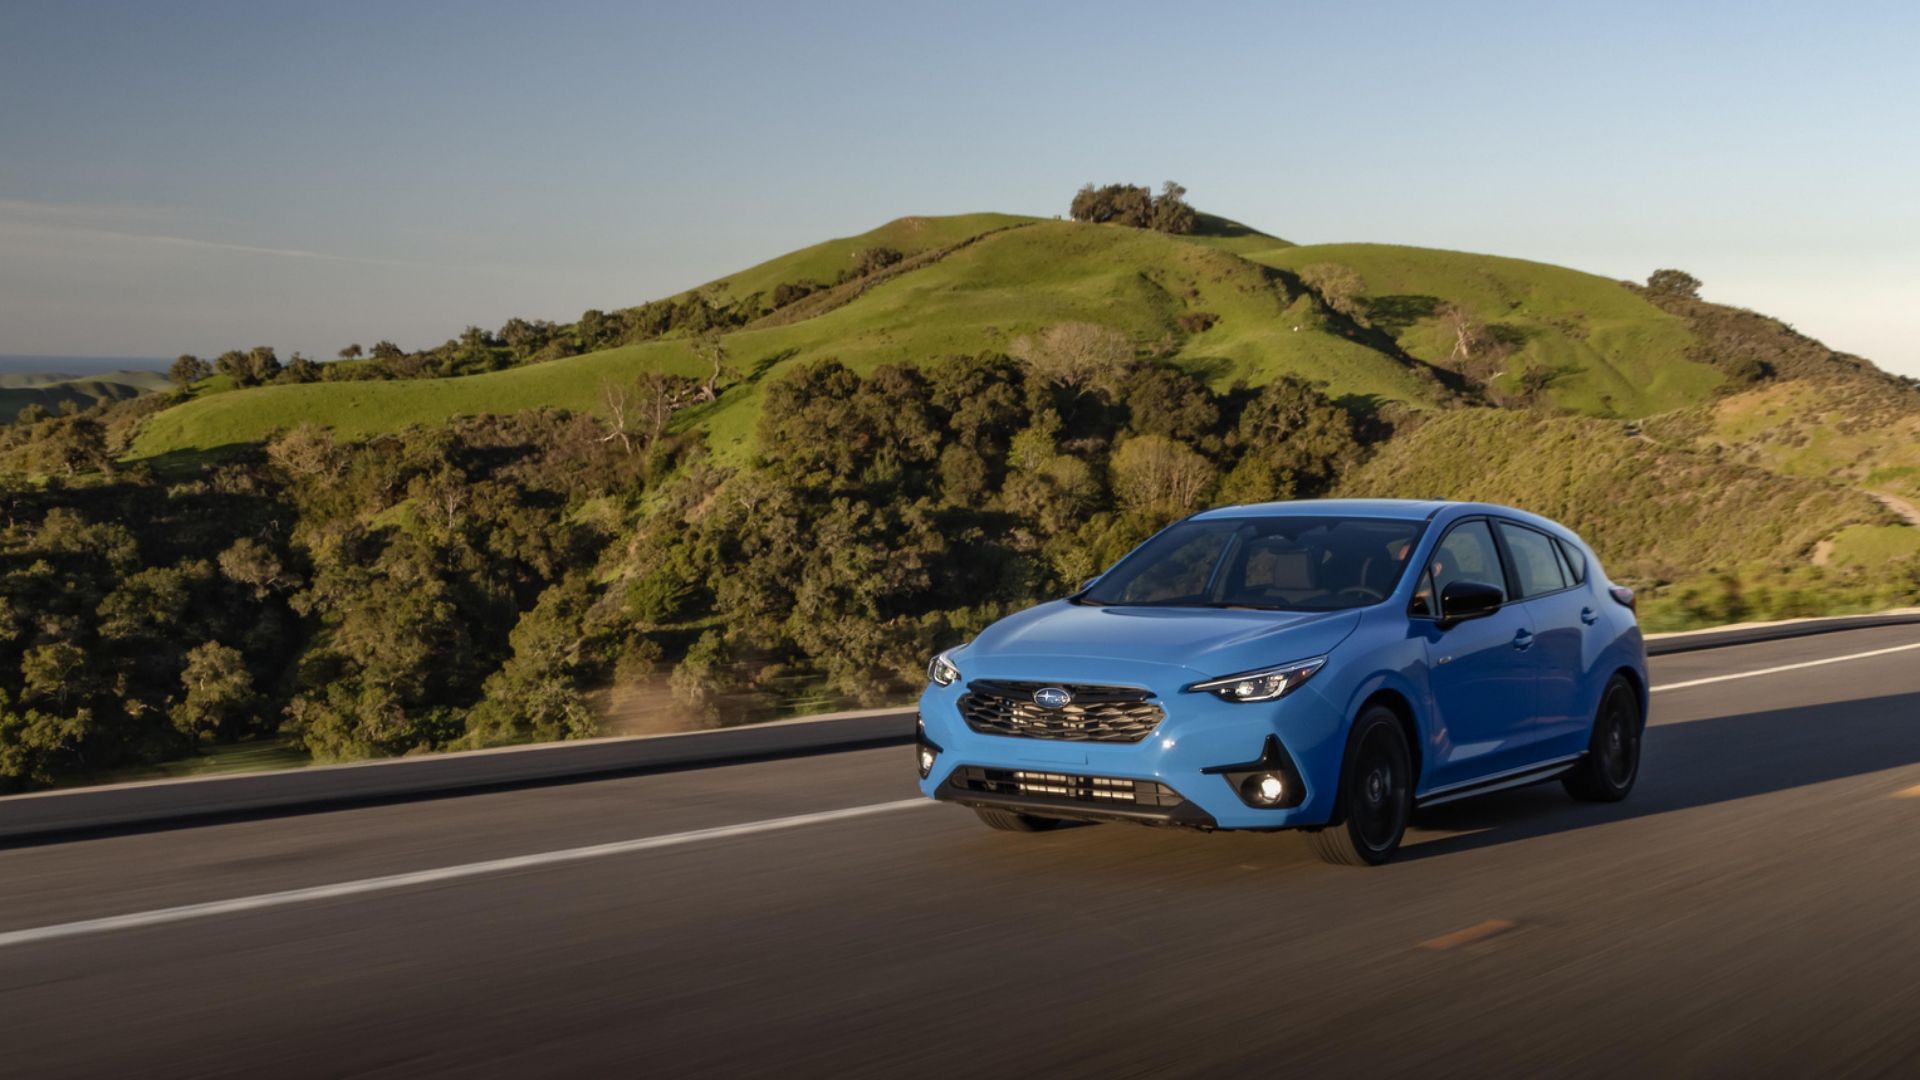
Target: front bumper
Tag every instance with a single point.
(1193, 754)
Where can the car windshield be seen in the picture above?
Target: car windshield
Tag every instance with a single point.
(1267, 564)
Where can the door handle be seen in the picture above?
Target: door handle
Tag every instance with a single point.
(1589, 616)
(1523, 640)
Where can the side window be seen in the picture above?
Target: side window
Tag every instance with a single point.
(1467, 554)
(1534, 562)
(1576, 560)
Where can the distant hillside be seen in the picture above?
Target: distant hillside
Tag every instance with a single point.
(52, 390)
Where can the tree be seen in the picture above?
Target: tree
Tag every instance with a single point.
(220, 698)
(1164, 400)
(1171, 214)
(76, 444)
(1469, 333)
(710, 348)
(51, 673)
(1158, 477)
(870, 260)
(233, 364)
(661, 395)
(262, 364)
(1339, 288)
(1674, 283)
(1077, 356)
(189, 369)
(1293, 440)
(617, 407)
(352, 352)
(253, 564)
(307, 450)
(1126, 204)
(300, 369)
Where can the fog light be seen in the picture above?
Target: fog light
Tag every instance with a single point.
(1268, 782)
(925, 749)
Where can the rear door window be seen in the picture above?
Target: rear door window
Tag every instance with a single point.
(1536, 566)
(1576, 560)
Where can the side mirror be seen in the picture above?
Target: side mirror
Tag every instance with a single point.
(1463, 600)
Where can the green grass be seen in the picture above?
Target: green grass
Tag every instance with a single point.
(980, 298)
(1610, 352)
(1229, 235)
(824, 261)
(1875, 545)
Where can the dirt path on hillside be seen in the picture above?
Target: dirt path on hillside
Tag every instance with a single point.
(1906, 510)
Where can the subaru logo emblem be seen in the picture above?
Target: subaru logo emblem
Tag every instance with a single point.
(1052, 697)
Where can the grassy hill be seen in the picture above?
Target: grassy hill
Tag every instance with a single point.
(979, 298)
(1599, 348)
(823, 262)
(1765, 472)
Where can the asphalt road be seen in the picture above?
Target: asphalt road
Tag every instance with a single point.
(1754, 909)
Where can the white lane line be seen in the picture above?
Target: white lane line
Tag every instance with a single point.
(430, 877)
(1785, 667)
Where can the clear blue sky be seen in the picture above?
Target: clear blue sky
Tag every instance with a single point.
(198, 176)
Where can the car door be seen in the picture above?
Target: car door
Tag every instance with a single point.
(1561, 615)
(1481, 672)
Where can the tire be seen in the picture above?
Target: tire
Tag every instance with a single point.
(1375, 798)
(1607, 771)
(1013, 821)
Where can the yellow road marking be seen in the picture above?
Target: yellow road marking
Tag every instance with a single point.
(1478, 932)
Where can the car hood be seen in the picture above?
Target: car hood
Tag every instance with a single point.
(1207, 642)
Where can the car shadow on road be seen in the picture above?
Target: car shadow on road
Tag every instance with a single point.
(1699, 763)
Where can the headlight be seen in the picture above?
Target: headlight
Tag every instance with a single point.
(941, 670)
(1267, 684)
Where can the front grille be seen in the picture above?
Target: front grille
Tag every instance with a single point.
(1096, 713)
(1064, 787)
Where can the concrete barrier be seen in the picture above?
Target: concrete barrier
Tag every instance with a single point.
(71, 811)
(1753, 633)
(77, 811)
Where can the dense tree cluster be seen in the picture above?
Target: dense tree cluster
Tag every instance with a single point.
(1125, 204)
(475, 584)
(949, 495)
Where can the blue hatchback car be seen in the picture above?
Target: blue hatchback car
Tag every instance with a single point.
(1326, 666)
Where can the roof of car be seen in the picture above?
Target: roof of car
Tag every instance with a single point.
(1392, 509)
(1384, 509)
